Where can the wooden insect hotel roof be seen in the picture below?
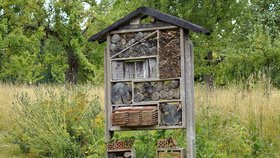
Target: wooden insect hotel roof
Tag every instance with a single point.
(143, 12)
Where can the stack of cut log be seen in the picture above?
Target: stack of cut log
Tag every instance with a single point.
(169, 54)
(157, 90)
(171, 114)
(121, 93)
(144, 47)
(135, 116)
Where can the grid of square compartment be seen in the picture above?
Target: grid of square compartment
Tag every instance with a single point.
(138, 69)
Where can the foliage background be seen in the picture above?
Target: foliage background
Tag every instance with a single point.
(45, 41)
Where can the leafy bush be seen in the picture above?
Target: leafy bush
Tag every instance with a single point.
(59, 123)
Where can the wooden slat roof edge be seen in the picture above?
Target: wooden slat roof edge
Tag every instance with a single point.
(100, 36)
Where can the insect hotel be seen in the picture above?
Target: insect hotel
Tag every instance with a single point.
(149, 80)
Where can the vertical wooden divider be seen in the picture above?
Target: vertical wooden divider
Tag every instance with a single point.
(182, 81)
(157, 53)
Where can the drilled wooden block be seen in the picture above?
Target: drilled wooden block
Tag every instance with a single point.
(120, 145)
(166, 143)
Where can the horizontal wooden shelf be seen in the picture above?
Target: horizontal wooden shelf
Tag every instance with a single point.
(170, 149)
(118, 150)
(148, 103)
(157, 127)
(135, 58)
(145, 80)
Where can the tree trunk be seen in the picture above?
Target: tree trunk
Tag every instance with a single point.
(71, 75)
(208, 78)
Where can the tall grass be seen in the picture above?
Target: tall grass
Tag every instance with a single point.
(234, 122)
(230, 122)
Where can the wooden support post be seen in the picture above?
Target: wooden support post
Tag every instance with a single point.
(107, 88)
(189, 95)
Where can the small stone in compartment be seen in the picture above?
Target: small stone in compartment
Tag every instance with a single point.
(127, 154)
(147, 97)
(113, 47)
(153, 50)
(169, 95)
(126, 54)
(115, 38)
(139, 88)
(174, 84)
(155, 96)
(150, 89)
(123, 42)
(163, 94)
(167, 86)
(130, 42)
(138, 97)
(139, 36)
(120, 55)
(176, 93)
(158, 86)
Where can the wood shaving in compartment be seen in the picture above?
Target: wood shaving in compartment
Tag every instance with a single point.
(169, 54)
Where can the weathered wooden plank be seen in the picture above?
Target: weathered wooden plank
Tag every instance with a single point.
(129, 70)
(117, 70)
(118, 128)
(135, 58)
(158, 53)
(189, 97)
(145, 80)
(144, 29)
(139, 69)
(146, 69)
(156, 23)
(107, 86)
(148, 102)
(182, 80)
(152, 68)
